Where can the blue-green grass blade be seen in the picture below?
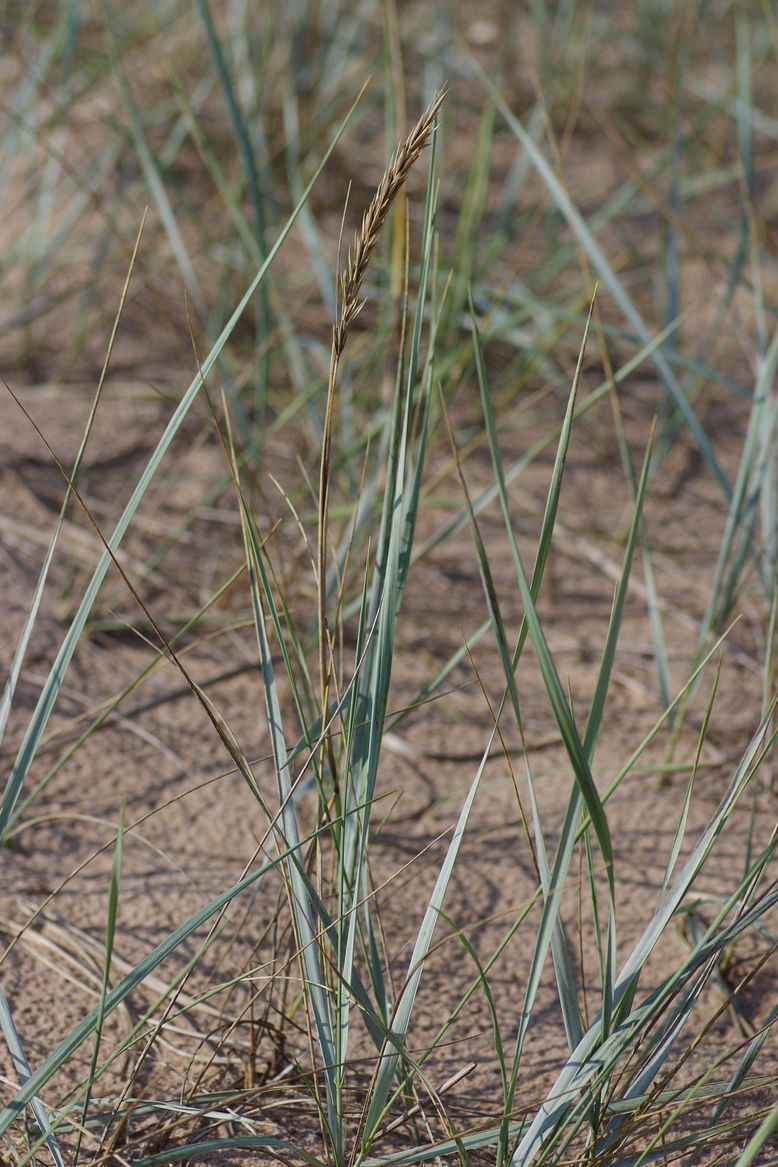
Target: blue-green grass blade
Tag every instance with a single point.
(610, 970)
(65, 1050)
(609, 278)
(303, 911)
(617, 612)
(155, 182)
(550, 930)
(308, 227)
(739, 507)
(470, 220)
(403, 1009)
(513, 1129)
(563, 969)
(110, 936)
(548, 927)
(767, 1129)
(246, 149)
(680, 830)
(19, 1061)
(555, 487)
(596, 1064)
(669, 1032)
(390, 573)
(652, 595)
(261, 578)
(487, 581)
(48, 696)
(482, 980)
(18, 659)
(740, 1076)
(557, 699)
(247, 156)
(275, 1148)
(400, 425)
(581, 1066)
(586, 842)
(502, 480)
(740, 514)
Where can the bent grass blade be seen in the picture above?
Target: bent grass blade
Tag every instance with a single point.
(50, 691)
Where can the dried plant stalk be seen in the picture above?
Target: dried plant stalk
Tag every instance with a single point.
(349, 286)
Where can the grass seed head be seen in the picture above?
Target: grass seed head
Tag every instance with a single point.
(393, 180)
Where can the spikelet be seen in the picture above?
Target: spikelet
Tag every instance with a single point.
(373, 220)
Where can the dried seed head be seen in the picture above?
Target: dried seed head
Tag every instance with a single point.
(374, 217)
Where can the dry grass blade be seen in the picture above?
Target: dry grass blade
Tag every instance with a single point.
(350, 283)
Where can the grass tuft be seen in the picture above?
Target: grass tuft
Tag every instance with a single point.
(444, 784)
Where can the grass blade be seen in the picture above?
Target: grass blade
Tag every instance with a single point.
(110, 936)
(24, 1074)
(404, 1007)
(65, 1050)
(48, 696)
(609, 278)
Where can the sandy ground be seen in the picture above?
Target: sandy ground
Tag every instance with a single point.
(193, 826)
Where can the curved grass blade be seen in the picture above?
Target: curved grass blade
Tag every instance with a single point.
(65, 1050)
(110, 936)
(24, 1074)
(21, 649)
(617, 612)
(252, 179)
(153, 177)
(403, 1009)
(609, 278)
(236, 1143)
(48, 696)
(583, 1065)
(766, 1129)
(301, 904)
(556, 695)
